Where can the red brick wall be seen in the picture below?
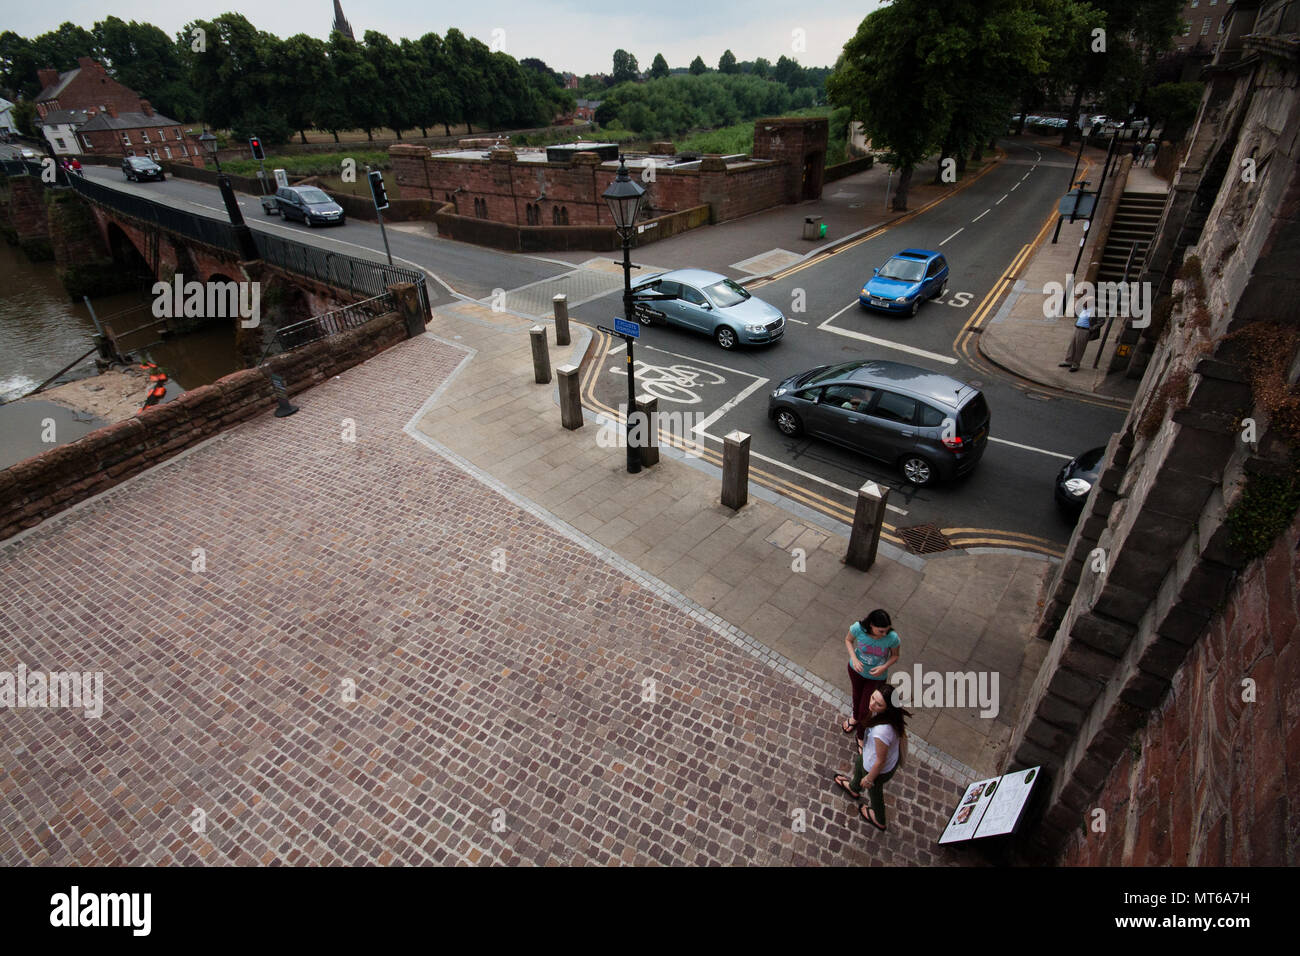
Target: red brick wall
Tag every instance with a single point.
(27, 213)
(46, 484)
(92, 87)
(106, 142)
(1213, 780)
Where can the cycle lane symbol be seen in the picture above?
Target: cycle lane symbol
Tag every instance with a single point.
(672, 383)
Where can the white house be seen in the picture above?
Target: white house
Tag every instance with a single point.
(7, 124)
(60, 129)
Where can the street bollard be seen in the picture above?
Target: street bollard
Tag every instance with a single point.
(541, 355)
(570, 397)
(864, 539)
(735, 470)
(648, 406)
(561, 304)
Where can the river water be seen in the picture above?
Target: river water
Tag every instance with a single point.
(42, 330)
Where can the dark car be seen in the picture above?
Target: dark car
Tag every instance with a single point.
(137, 168)
(1076, 479)
(931, 427)
(310, 204)
(905, 281)
(710, 303)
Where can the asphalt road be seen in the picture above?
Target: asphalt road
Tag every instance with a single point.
(1007, 501)
(981, 230)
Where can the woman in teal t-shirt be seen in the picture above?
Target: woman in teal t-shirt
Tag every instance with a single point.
(873, 646)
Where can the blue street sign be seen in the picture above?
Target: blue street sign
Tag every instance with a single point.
(630, 329)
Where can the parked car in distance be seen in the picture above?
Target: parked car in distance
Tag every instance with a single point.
(902, 283)
(30, 154)
(310, 204)
(1076, 479)
(707, 302)
(928, 425)
(137, 168)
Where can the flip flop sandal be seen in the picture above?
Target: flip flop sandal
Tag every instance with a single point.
(863, 811)
(852, 726)
(842, 782)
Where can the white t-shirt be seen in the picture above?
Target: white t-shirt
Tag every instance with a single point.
(890, 737)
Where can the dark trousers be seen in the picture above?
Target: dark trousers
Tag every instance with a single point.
(877, 792)
(863, 688)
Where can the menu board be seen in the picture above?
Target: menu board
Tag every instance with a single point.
(990, 807)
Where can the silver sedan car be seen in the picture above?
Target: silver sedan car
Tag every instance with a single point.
(707, 302)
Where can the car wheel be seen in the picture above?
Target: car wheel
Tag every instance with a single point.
(788, 422)
(307, 220)
(942, 289)
(916, 306)
(162, 178)
(917, 470)
(726, 337)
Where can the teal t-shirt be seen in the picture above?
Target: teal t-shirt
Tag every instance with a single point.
(871, 651)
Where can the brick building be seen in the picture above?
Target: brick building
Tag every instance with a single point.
(538, 187)
(1165, 709)
(140, 133)
(87, 87)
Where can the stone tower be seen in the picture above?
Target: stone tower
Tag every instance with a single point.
(341, 22)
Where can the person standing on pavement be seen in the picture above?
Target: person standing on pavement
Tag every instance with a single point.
(1149, 152)
(884, 751)
(1079, 341)
(1137, 151)
(873, 647)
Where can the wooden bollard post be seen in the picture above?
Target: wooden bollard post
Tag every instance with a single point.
(735, 470)
(561, 304)
(570, 397)
(541, 355)
(648, 406)
(864, 539)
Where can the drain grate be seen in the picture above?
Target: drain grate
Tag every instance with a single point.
(924, 539)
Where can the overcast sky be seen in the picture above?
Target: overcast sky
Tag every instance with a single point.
(575, 35)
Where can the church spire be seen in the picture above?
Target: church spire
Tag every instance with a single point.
(341, 22)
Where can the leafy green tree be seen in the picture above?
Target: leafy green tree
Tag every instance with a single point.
(1175, 105)
(439, 101)
(18, 66)
(762, 68)
(392, 89)
(625, 68)
(697, 67)
(727, 63)
(25, 117)
(235, 72)
(144, 58)
(659, 68)
(789, 72)
(302, 68)
(354, 88)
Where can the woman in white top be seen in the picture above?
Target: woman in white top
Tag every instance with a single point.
(884, 748)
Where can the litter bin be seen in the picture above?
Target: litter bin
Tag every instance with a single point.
(813, 227)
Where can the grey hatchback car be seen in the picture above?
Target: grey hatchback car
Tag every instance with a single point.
(707, 302)
(930, 426)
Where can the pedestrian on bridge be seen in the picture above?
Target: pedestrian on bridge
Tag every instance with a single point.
(873, 647)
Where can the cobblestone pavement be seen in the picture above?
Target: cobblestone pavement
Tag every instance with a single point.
(551, 709)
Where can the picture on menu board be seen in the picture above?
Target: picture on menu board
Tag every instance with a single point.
(969, 811)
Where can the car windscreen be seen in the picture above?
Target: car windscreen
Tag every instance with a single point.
(826, 374)
(906, 270)
(313, 196)
(726, 293)
(973, 415)
(139, 161)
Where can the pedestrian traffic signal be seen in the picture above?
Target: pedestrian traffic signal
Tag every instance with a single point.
(377, 188)
(255, 144)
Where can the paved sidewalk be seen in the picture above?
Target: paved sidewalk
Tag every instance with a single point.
(1023, 339)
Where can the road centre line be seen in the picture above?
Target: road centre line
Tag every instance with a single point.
(1041, 451)
(955, 233)
(934, 356)
(1025, 176)
(1015, 187)
(980, 216)
(999, 202)
(729, 405)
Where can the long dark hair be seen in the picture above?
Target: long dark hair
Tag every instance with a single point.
(892, 714)
(877, 618)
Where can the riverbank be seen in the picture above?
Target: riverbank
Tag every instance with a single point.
(112, 396)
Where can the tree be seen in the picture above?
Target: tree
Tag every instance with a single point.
(762, 68)
(439, 101)
(727, 63)
(697, 66)
(25, 117)
(659, 68)
(625, 68)
(393, 93)
(236, 71)
(302, 68)
(789, 72)
(1174, 105)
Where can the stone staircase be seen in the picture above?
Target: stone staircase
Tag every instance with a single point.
(1135, 220)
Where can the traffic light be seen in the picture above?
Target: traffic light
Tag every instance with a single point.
(255, 144)
(377, 188)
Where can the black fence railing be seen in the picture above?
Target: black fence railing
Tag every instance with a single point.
(318, 327)
(214, 232)
(363, 276)
(336, 268)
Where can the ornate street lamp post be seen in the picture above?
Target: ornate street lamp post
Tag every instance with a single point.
(624, 198)
(247, 248)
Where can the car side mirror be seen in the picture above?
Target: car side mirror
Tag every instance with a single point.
(875, 272)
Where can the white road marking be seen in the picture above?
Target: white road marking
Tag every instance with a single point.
(800, 321)
(999, 202)
(955, 233)
(980, 216)
(1041, 451)
(1015, 187)
(729, 405)
(946, 359)
(1025, 176)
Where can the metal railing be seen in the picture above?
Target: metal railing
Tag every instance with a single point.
(352, 316)
(362, 276)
